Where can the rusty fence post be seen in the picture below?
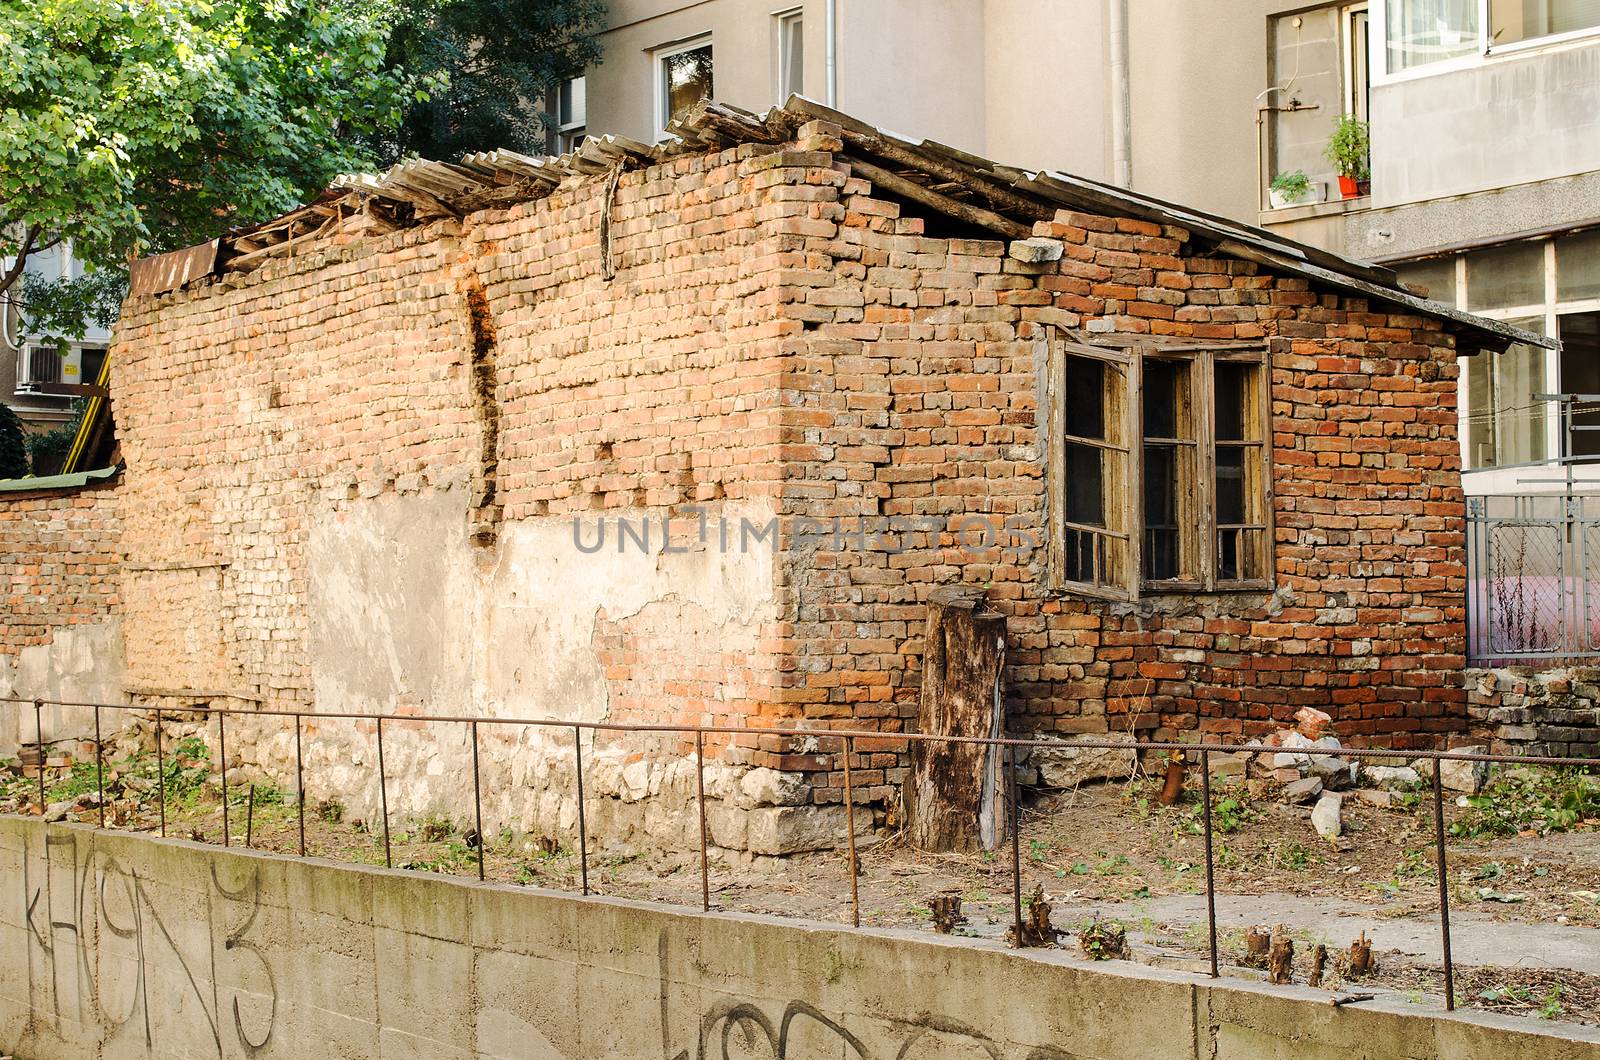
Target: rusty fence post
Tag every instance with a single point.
(250, 819)
(1016, 842)
(383, 799)
(583, 827)
(99, 766)
(700, 797)
(850, 827)
(1211, 882)
(38, 728)
(300, 784)
(161, 777)
(477, 800)
(222, 754)
(1444, 887)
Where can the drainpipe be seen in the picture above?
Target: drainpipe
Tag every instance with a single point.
(832, 31)
(1121, 107)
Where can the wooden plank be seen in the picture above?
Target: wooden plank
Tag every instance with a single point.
(955, 792)
(908, 189)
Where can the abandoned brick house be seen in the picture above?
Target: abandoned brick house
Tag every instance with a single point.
(400, 450)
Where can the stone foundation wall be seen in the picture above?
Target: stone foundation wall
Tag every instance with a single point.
(1523, 711)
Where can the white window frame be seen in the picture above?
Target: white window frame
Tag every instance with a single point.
(1347, 55)
(580, 122)
(1487, 51)
(1550, 310)
(658, 70)
(785, 22)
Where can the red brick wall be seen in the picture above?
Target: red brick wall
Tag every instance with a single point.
(58, 563)
(778, 337)
(916, 386)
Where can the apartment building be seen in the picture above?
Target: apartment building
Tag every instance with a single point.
(1484, 120)
(32, 373)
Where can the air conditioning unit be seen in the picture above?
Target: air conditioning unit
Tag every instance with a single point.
(38, 364)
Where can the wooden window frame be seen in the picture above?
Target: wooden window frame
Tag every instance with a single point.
(1125, 513)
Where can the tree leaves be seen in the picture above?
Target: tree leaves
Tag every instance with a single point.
(130, 126)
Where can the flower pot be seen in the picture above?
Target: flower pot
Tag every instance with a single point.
(1363, 187)
(1280, 200)
(1348, 187)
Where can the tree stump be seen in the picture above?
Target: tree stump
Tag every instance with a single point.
(1319, 964)
(1280, 957)
(1256, 944)
(1361, 963)
(955, 793)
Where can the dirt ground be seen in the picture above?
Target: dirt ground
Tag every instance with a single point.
(1103, 852)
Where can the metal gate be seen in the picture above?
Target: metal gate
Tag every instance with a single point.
(1533, 579)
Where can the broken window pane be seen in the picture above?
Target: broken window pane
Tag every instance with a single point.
(1161, 553)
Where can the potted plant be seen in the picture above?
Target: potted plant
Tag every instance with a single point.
(1350, 151)
(1287, 189)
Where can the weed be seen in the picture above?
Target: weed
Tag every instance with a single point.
(436, 829)
(1550, 1005)
(1537, 800)
(1292, 855)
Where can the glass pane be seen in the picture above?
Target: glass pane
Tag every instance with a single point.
(1580, 374)
(571, 103)
(688, 79)
(1230, 485)
(793, 57)
(1232, 380)
(1161, 552)
(1085, 484)
(1428, 31)
(1578, 266)
(1506, 276)
(1436, 275)
(1086, 408)
(1521, 423)
(1480, 411)
(1514, 20)
(1161, 382)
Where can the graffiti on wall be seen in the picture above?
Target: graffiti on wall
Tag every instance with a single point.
(97, 939)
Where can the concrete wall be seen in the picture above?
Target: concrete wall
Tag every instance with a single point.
(126, 947)
(1509, 120)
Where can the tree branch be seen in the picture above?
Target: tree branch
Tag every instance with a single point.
(15, 272)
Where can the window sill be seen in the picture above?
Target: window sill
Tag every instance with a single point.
(1330, 208)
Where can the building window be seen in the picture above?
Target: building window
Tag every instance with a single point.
(572, 107)
(1551, 287)
(1428, 31)
(1159, 475)
(1356, 44)
(1518, 20)
(791, 55)
(1421, 32)
(683, 78)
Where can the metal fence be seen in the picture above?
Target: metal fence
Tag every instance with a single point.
(844, 742)
(1533, 579)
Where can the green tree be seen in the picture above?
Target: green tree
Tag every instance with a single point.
(13, 452)
(130, 126)
(497, 59)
